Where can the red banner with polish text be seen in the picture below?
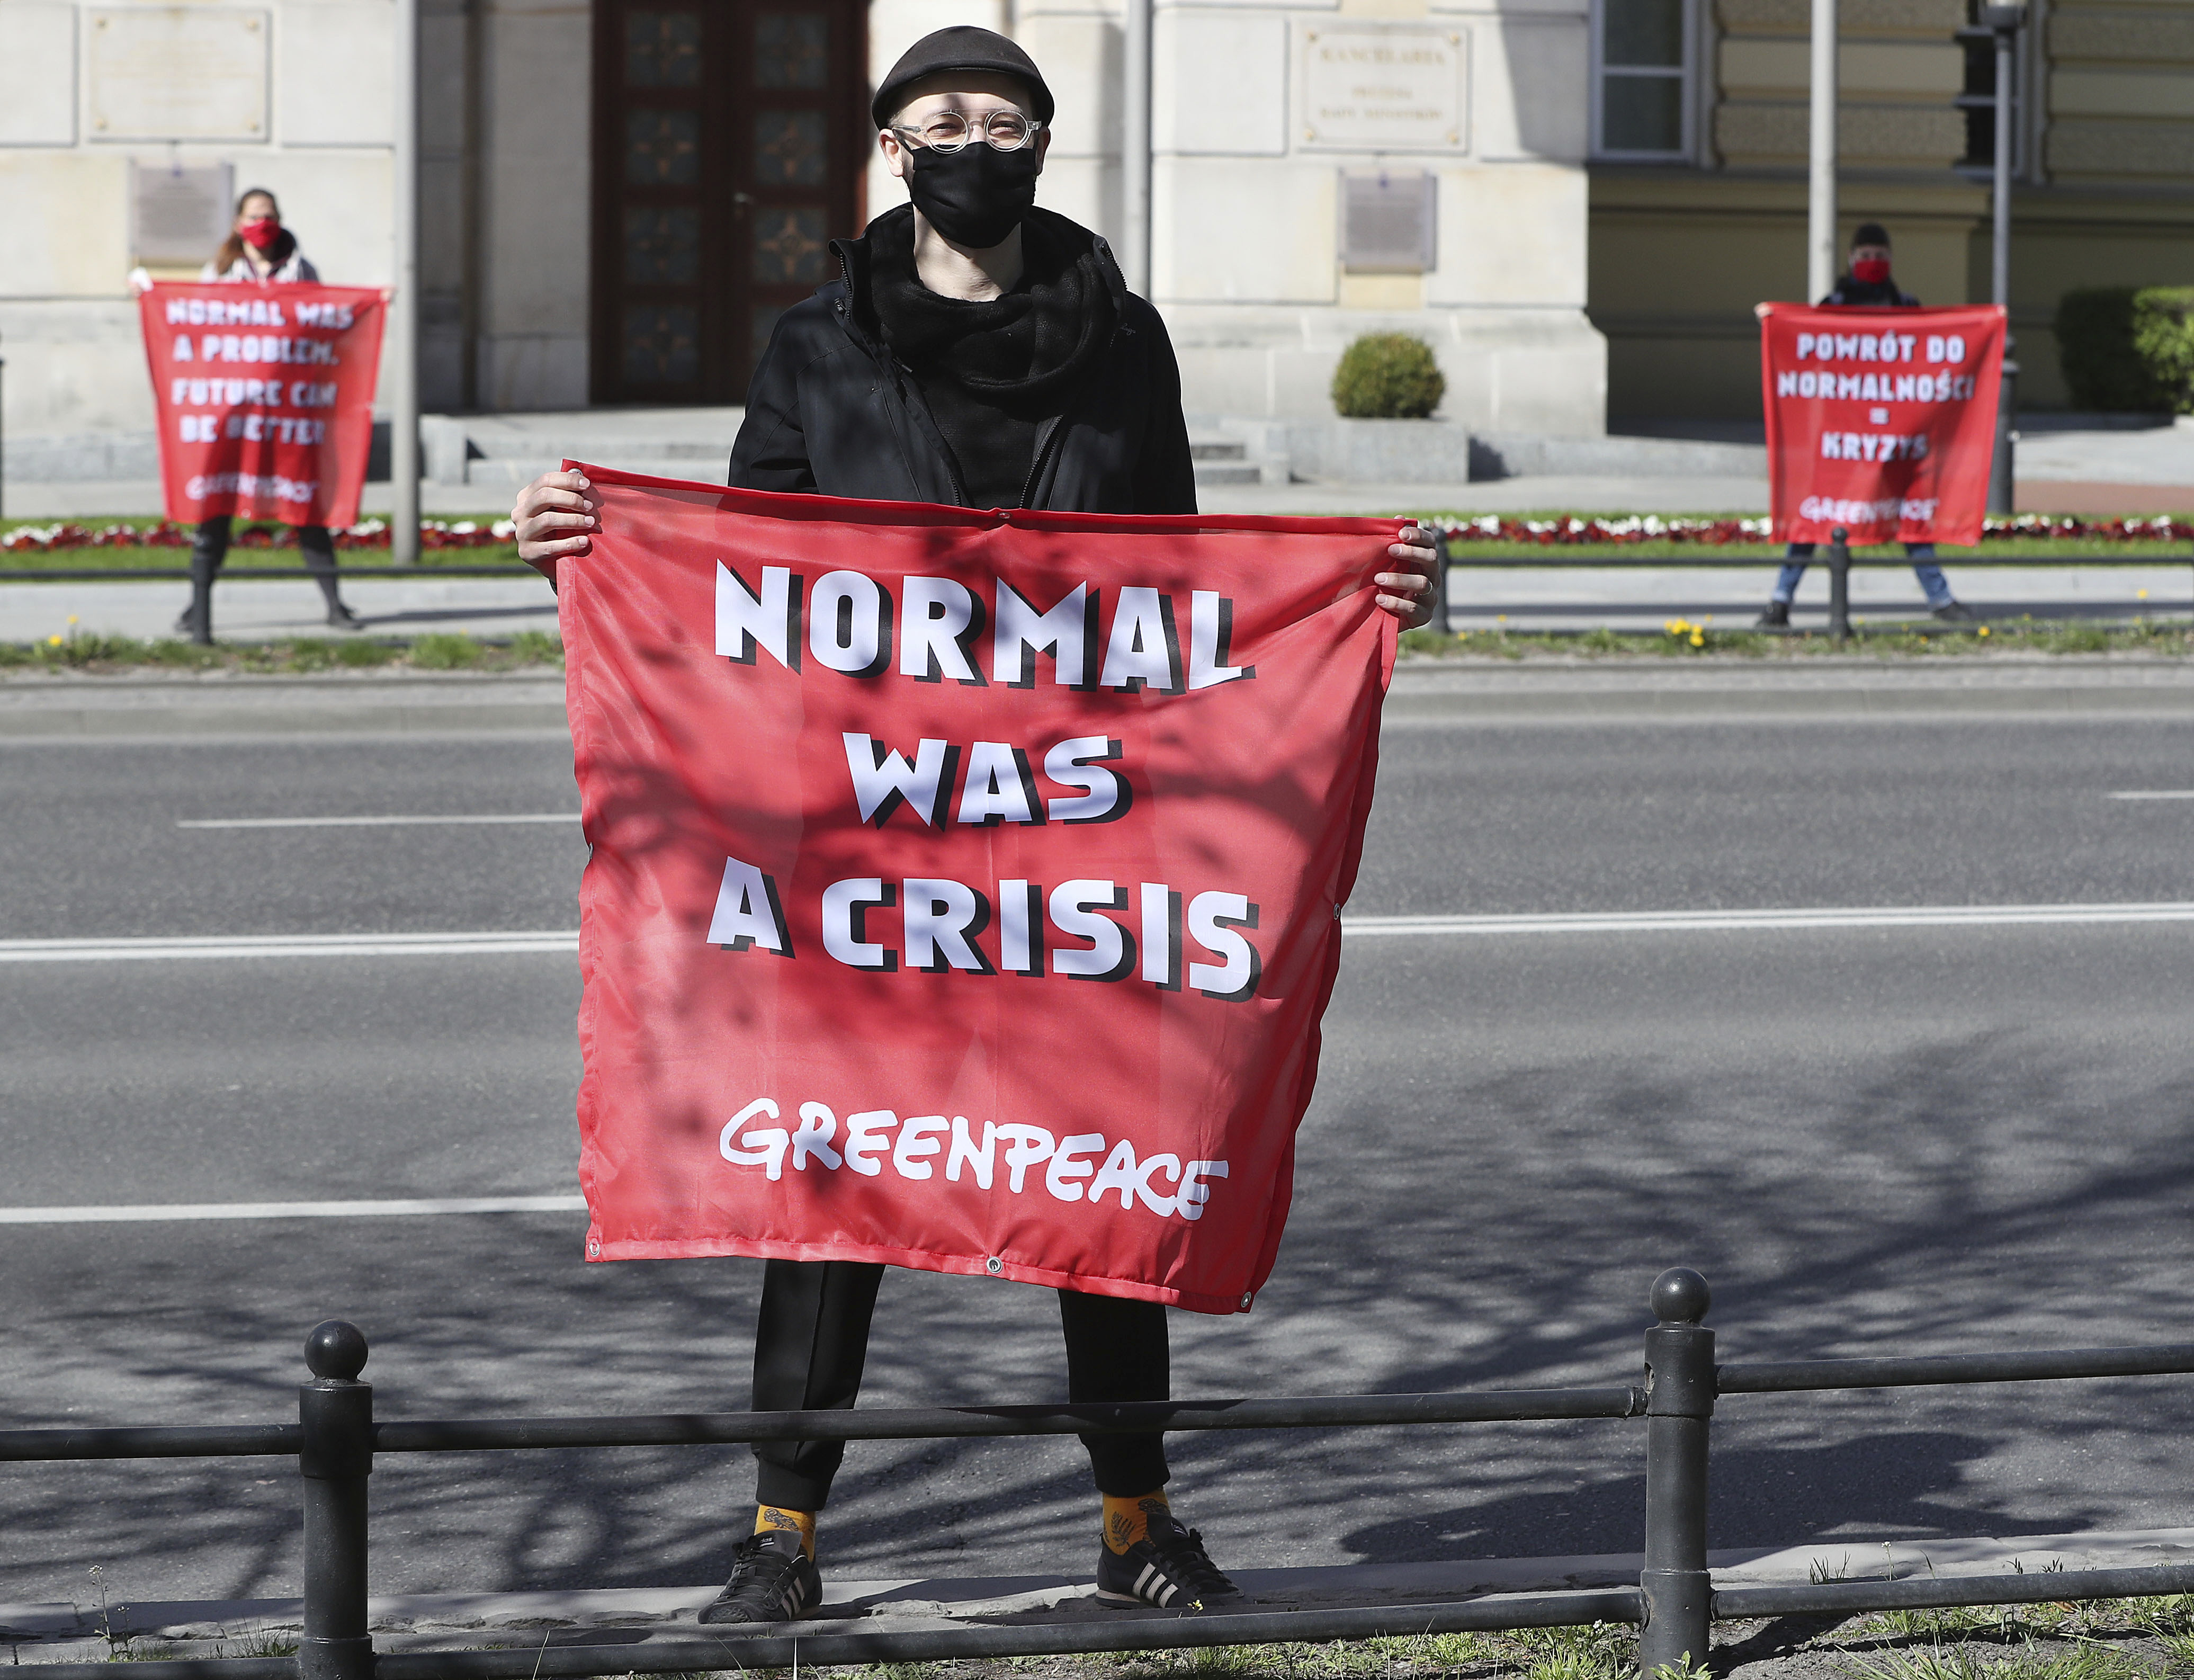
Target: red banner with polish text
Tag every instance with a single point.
(265, 398)
(1881, 421)
(964, 888)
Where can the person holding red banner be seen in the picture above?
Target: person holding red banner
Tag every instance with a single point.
(975, 351)
(258, 252)
(1868, 285)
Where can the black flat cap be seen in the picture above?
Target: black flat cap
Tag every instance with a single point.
(961, 47)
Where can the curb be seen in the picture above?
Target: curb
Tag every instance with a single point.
(117, 710)
(124, 709)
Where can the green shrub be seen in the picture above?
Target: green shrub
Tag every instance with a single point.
(2126, 349)
(1387, 376)
(2163, 339)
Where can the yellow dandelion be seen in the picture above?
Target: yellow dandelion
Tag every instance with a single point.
(2142, 594)
(1983, 630)
(72, 617)
(53, 641)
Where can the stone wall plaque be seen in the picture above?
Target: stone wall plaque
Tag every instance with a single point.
(177, 72)
(1385, 88)
(179, 214)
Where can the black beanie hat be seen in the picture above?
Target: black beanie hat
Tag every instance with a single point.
(961, 47)
(1869, 233)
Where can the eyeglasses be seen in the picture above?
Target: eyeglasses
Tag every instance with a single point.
(948, 131)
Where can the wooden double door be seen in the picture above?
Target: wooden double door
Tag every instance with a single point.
(729, 140)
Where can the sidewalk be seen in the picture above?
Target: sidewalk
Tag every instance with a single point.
(1631, 597)
(637, 1616)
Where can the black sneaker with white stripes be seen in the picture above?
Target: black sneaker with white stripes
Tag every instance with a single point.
(774, 1580)
(1169, 1570)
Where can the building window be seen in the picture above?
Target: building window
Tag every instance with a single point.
(1642, 55)
(1977, 101)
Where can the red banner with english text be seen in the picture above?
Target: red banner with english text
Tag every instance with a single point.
(964, 891)
(1881, 421)
(265, 398)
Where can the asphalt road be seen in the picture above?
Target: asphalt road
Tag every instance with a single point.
(1870, 1140)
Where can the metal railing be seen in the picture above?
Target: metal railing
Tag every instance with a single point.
(336, 1436)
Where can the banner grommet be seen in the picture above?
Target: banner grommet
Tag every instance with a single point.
(994, 1265)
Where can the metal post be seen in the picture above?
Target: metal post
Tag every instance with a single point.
(3, 443)
(1135, 148)
(2004, 21)
(404, 308)
(336, 1411)
(1839, 584)
(1822, 256)
(1680, 1371)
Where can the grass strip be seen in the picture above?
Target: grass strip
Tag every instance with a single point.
(440, 650)
(1680, 639)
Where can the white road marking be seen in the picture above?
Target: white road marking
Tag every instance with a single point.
(2155, 793)
(148, 1212)
(371, 822)
(285, 945)
(564, 943)
(1722, 921)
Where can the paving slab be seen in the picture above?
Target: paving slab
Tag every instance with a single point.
(250, 610)
(66, 1632)
(1558, 596)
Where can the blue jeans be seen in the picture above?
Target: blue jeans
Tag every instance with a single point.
(1922, 555)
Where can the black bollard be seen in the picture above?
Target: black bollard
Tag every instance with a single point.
(1680, 1371)
(1839, 585)
(336, 1411)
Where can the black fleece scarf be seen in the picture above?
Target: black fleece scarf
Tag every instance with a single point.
(994, 372)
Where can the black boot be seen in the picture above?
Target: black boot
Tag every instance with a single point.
(319, 551)
(1776, 617)
(207, 552)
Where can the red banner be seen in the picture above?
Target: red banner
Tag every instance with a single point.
(265, 398)
(1881, 421)
(964, 890)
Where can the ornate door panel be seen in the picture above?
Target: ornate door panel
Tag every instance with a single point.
(729, 138)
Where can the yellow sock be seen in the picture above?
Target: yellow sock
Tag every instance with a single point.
(1127, 1520)
(801, 1522)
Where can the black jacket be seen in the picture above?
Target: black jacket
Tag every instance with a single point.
(1865, 294)
(830, 410)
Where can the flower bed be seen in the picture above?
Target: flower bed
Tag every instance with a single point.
(1717, 532)
(372, 533)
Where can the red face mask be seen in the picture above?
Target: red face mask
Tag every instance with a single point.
(260, 232)
(1872, 270)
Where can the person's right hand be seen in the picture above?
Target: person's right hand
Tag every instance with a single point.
(553, 514)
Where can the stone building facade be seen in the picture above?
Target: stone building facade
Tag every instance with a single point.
(1689, 230)
(1576, 202)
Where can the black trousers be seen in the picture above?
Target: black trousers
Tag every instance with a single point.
(814, 1336)
(210, 548)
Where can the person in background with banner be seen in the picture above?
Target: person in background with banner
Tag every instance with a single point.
(977, 352)
(258, 252)
(1868, 285)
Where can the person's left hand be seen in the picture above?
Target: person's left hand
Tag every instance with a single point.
(1408, 591)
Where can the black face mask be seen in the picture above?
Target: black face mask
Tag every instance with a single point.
(974, 196)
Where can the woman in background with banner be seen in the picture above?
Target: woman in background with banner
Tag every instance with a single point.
(258, 252)
(1867, 286)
